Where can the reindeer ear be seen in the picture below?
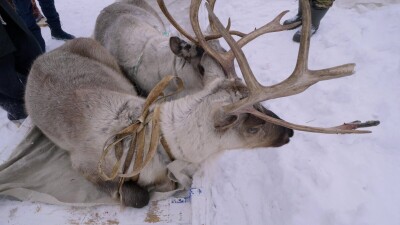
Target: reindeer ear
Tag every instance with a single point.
(223, 122)
(183, 49)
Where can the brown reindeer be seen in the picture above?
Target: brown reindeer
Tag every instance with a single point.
(79, 98)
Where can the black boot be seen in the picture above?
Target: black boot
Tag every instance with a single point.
(296, 18)
(15, 110)
(316, 15)
(56, 30)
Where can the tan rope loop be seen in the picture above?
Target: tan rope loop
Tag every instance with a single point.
(137, 132)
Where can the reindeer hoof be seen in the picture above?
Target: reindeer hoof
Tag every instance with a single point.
(134, 195)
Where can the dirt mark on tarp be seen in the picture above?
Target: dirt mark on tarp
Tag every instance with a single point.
(152, 214)
(93, 218)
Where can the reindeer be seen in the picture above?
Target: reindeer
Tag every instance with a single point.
(78, 96)
(135, 35)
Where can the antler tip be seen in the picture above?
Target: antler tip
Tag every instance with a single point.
(352, 66)
(284, 12)
(358, 124)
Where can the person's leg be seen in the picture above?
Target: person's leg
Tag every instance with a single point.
(12, 87)
(296, 18)
(24, 10)
(318, 10)
(35, 10)
(40, 19)
(15, 109)
(53, 20)
(322, 4)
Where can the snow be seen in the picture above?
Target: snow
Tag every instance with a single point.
(316, 178)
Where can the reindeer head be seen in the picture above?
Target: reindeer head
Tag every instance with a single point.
(203, 66)
(256, 126)
(250, 130)
(189, 52)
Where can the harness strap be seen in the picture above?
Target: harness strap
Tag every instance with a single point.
(137, 132)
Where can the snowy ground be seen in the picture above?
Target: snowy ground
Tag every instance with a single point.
(316, 179)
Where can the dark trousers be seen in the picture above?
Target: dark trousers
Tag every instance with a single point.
(12, 87)
(18, 49)
(49, 11)
(24, 10)
(322, 4)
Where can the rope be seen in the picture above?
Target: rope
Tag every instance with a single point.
(137, 132)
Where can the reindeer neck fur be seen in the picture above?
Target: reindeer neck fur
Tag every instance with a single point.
(186, 124)
(188, 127)
(157, 61)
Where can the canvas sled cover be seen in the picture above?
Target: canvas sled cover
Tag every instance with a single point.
(39, 171)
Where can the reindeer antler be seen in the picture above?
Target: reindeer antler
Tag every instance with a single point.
(300, 79)
(226, 60)
(185, 33)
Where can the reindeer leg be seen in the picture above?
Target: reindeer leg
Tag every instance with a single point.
(133, 194)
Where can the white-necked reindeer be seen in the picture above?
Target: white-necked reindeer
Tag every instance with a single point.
(79, 98)
(133, 32)
(135, 35)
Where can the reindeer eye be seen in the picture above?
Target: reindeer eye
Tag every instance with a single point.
(253, 130)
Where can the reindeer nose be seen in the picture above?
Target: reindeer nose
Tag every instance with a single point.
(290, 132)
(284, 138)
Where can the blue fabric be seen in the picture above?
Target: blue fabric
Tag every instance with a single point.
(20, 50)
(50, 12)
(24, 10)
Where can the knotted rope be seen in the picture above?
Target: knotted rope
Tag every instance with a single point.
(137, 132)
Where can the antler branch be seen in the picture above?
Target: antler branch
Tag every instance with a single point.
(171, 19)
(226, 60)
(185, 33)
(346, 128)
(273, 26)
(300, 79)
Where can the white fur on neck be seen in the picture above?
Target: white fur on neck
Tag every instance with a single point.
(188, 127)
(158, 50)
